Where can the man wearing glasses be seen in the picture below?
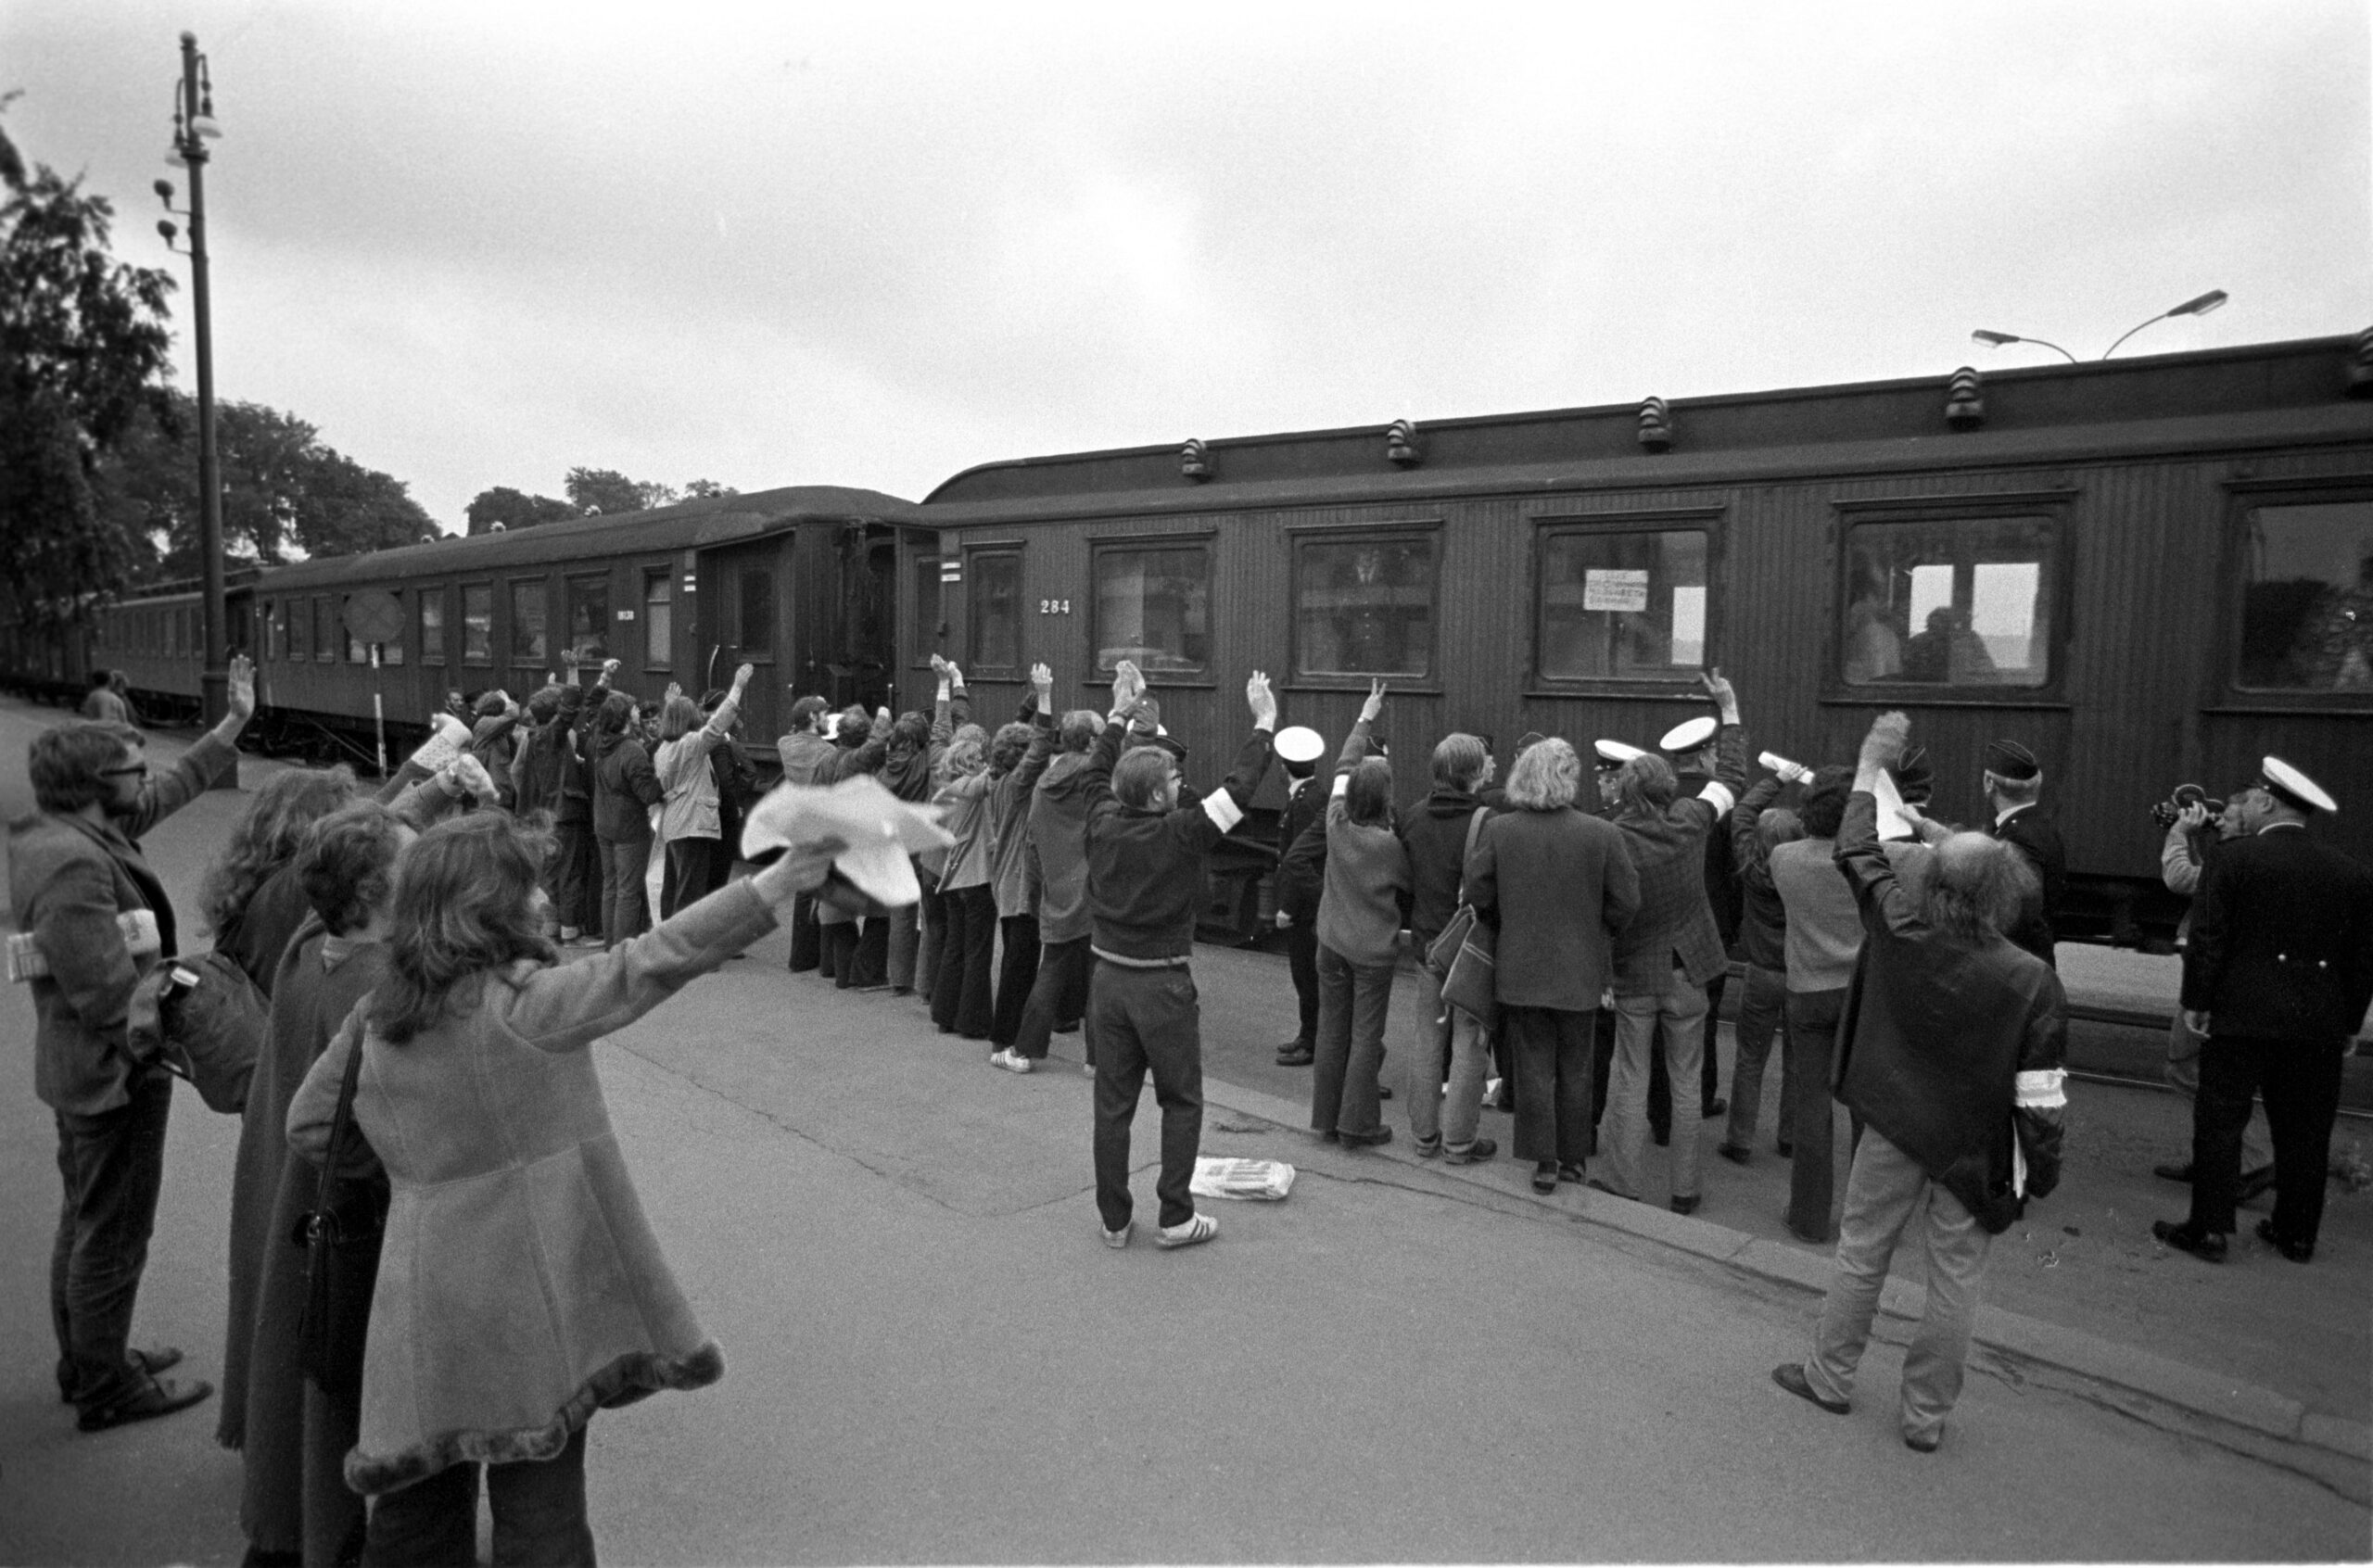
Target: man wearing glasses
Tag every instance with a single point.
(74, 869)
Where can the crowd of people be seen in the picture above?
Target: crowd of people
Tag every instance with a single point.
(425, 1056)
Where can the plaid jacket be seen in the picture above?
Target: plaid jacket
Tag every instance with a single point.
(1675, 923)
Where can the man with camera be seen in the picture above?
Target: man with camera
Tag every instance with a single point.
(2195, 824)
(2278, 977)
(74, 870)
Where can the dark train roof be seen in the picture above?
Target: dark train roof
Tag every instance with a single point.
(2259, 394)
(693, 524)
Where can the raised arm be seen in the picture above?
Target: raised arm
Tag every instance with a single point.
(189, 778)
(1747, 843)
(1859, 854)
(1041, 708)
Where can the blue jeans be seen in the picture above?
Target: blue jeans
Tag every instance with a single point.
(1885, 1189)
(111, 1167)
(1352, 999)
(1812, 1178)
(1760, 1008)
(1060, 991)
(1147, 1020)
(1450, 1051)
(624, 909)
(1676, 1014)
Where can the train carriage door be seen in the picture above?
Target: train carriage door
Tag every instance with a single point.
(863, 665)
(923, 618)
(745, 617)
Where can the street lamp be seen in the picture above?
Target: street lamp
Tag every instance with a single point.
(2199, 306)
(193, 126)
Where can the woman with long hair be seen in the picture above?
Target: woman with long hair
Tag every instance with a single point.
(689, 824)
(1359, 912)
(961, 990)
(625, 789)
(511, 1201)
(1556, 883)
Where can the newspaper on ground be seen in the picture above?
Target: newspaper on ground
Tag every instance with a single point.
(882, 833)
(1264, 1180)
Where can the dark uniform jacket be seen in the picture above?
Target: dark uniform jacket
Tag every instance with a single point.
(1301, 852)
(2036, 836)
(1938, 1041)
(1145, 868)
(2281, 940)
(68, 880)
(1675, 925)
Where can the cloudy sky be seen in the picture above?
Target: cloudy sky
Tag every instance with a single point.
(479, 243)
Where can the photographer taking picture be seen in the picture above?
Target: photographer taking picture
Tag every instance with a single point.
(2195, 825)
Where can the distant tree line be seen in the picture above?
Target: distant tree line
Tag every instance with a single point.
(590, 490)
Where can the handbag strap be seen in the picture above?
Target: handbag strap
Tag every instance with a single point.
(338, 1126)
(1474, 831)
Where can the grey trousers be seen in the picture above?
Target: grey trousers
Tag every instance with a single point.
(1886, 1190)
(1452, 1052)
(1678, 1013)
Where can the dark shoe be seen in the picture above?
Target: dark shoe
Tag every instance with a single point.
(1714, 1108)
(1544, 1176)
(1927, 1444)
(1569, 1170)
(155, 1396)
(2206, 1246)
(1790, 1375)
(1475, 1153)
(1427, 1149)
(1071, 1028)
(1597, 1185)
(1301, 1057)
(1330, 1136)
(1382, 1093)
(1687, 1205)
(1365, 1140)
(2298, 1252)
(162, 1358)
(2254, 1184)
(1735, 1155)
(1787, 1149)
(1663, 1135)
(2171, 1172)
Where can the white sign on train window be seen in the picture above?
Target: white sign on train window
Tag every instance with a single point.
(1623, 590)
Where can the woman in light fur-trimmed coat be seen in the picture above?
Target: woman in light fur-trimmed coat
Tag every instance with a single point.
(520, 1287)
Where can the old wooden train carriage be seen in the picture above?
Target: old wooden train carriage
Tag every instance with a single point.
(2148, 571)
(800, 582)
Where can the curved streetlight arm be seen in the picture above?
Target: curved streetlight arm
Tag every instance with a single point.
(2153, 321)
(1997, 340)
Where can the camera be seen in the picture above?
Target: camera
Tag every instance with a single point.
(2166, 811)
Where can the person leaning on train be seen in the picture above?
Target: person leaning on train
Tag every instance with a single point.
(2278, 977)
(2181, 860)
(75, 868)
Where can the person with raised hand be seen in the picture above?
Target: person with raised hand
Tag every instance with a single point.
(689, 824)
(1145, 854)
(1366, 891)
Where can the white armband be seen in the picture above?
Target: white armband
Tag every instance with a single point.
(1221, 808)
(1719, 793)
(1342, 784)
(2041, 1090)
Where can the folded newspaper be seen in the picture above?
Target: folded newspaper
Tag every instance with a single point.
(883, 832)
(1267, 1179)
(28, 962)
(448, 738)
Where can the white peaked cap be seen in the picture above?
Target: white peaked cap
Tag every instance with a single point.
(1614, 753)
(1688, 734)
(1300, 743)
(2296, 787)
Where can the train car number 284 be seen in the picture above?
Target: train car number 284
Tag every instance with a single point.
(1054, 607)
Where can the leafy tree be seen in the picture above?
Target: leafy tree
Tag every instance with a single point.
(604, 491)
(513, 509)
(83, 355)
(697, 488)
(286, 495)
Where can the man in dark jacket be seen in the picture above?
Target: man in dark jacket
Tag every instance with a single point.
(802, 751)
(1438, 833)
(1691, 749)
(625, 789)
(549, 774)
(2014, 786)
(2278, 977)
(1755, 827)
(1951, 1050)
(75, 868)
(1299, 882)
(1145, 883)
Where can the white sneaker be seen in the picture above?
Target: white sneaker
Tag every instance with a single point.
(1088, 1068)
(1008, 1061)
(1120, 1238)
(1201, 1228)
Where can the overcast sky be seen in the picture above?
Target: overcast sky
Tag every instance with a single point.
(870, 244)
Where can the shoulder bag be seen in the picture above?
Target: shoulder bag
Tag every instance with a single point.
(203, 1019)
(1462, 954)
(341, 1236)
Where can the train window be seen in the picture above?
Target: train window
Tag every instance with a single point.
(301, 630)
(326, 630)
(1364, 607)
(1959, 603)
(1153, 607)
(477, 623)
(355, 651)
(588, 617)
(928, 615)
(658, 619)
(1621, 606)
(2307, 597)
(432, 626)
(275, 630)
(993, 597)
(754, 604)
(527, 622)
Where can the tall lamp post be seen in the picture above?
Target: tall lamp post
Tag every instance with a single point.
(2198, 307)
(193, 128)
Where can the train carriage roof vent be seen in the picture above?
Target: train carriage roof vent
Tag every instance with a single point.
(1655, 424)
(2360, 365)
(1401, 444)
(1965, 400)
(497, 528)
(428, 539)
(1195, 460)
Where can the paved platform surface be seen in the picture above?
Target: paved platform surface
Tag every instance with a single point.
(931, 1358)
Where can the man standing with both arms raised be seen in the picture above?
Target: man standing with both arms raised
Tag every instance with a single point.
(1145, 878)
(2276, 978)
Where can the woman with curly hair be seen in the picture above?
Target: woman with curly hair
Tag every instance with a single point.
(960, 1000)
(252, 900)
(520, 1288)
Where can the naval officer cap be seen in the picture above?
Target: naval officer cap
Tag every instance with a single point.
(2290, 785)
(2008, 759)
(1689, 735)
(1300, 743)
(1614, 753)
